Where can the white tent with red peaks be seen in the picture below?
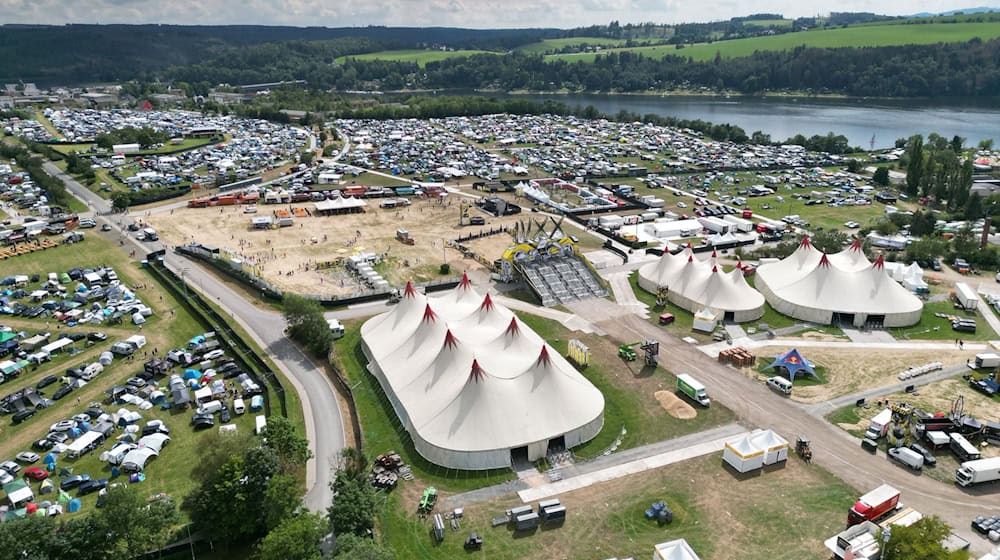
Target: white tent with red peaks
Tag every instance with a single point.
(844, 288)
(473, 385)
(694, 284)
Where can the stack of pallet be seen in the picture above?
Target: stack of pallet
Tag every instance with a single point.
(738, 357)
(26, 248)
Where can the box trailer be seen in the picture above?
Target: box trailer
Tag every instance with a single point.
(744, 226)
(693, 389)
(966, 296)
(987, 360)
(961, 447)
(874, 505)
(527, 521)
(976, 472)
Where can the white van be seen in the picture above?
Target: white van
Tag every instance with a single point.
(239, 407)
(336, 328)
(260, 422)
(908, 457)
(149, 234)
(780, 384)
(211, 407)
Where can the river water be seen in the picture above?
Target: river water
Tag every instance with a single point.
(784, 117)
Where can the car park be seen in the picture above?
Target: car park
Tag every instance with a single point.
(22, 415)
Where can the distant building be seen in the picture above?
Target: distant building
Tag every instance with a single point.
(168, 98)
(99, 99)
(227, 98)
(271, 85)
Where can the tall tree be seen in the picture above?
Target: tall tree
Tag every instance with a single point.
(915, 164)
(921, 541)
(881, 176)
(292, 448)
(281, 500)
(353, 547)
(296, 538)
(354, 505)
(306, 324)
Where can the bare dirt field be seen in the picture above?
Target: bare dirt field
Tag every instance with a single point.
(849, 371)
(674, 405)
(287, 256)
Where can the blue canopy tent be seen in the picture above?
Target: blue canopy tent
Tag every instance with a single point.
(793, 363)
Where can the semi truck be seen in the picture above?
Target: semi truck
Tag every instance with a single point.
(693, 389)
(976, 472)
(874, 505)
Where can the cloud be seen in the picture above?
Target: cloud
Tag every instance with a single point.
(451, 13)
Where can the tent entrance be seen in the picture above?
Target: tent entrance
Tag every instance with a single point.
(729, 317)
(557, 445)
(519, 459)
(843, 319)
(875, 321)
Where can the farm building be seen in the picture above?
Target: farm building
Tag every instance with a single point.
(696, 284)
(475, 388)
(841, 288)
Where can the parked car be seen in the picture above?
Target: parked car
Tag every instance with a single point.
(136, 382)
(36, 473)
(5, 477)
(224, 416)
(73, 481)
(62, 426)
(11, 467)
(62, 392)
(46, 381)
(27, 457)
(91, 486)
(43, 444)
(23, 415)
(97, 336)
(929, 459)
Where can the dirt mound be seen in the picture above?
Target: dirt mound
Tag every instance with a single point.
(675, 406)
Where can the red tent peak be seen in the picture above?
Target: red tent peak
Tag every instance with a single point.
(513, 329)
(429, 314)
(879, 263)
(824, 261)
(450, 342)
(477, 374)
(714, 254)
(805, 242)
(690, 246)
(465, 283)
(690, 258)
(739, 264)
(543, 357)
(856, 245)
(715, 269)
(410, 291)
(487, 304)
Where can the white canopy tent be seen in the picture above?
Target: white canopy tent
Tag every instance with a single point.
(694, 284)
(742, 454)
(843, 287)
(473, 385)
(678, 549)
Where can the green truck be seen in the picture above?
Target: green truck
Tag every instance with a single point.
(693, 389)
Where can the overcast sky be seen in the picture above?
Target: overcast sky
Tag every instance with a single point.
(451, 13)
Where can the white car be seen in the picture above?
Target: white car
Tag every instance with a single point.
(214, 354)
(62, 426)
(27, 457)
(5, 478)
(852, 225)
(681, 205)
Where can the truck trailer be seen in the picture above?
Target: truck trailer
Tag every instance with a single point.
(966, 296)
(976, 472)
(879, 425)
(874, 505)
(987, 360)
(693, 389)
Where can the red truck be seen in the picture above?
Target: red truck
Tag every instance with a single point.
(874, 505)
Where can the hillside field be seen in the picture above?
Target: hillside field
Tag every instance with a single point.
(421, 57)
(549, 45)
(860, 36)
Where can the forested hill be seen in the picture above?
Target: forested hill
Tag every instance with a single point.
(73, 54)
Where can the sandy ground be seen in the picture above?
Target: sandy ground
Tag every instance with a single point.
(937, 397)
(288, 255)
(849, 371)
(675, 406)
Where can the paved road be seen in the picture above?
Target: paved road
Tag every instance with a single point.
(833, 448)
(324, 425)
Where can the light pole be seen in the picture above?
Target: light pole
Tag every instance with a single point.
(886, 535)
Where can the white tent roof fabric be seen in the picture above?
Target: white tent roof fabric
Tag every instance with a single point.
(694, 283)
(811, 286)
(674, 550)
(343, 203)
(470, 382)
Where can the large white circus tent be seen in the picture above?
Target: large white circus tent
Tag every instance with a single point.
(473, 385)
(843, 288)
(694, 284)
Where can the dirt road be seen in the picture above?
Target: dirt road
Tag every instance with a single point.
(833, 449)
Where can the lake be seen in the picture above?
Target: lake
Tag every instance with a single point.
(784, 117)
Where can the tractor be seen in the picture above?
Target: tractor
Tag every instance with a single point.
(626, 352)
(651, 351)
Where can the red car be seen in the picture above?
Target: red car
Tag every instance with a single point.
(36, 473)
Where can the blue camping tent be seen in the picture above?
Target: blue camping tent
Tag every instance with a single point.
(74, 505)
(793, 363)
(192, 374)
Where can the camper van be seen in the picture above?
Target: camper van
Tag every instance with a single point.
(780, 384)
(336, 328)
(149, 234)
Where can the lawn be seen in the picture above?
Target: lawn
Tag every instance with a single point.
(768, 22)
(185, 145)
(855, 36)
(719, 514)
(552, 45)
(375, 180)
(418, 56)
(932, 327)
(171, 326)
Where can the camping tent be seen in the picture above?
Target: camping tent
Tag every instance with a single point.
(793, 363)
(47, 487)
(742, 454)
(74, 505)
(18, 492)
(674, 550)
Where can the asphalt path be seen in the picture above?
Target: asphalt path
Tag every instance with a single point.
(324, 424)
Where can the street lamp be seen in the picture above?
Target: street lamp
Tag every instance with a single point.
(886, 535)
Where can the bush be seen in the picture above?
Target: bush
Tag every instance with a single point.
(445, 268)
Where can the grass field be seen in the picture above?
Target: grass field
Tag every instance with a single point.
(551, 45)
(720, 514)
(937, 328)
(860, 36)
(418, 56)
(187, 144)
(768, 22)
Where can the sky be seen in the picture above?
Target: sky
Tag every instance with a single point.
(449, 13)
